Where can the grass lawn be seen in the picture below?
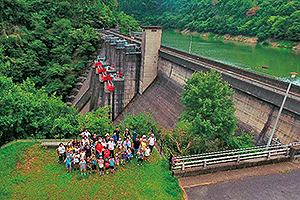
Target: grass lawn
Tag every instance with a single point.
(31, 172)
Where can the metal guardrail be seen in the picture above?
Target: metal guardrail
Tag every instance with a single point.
(231, 156)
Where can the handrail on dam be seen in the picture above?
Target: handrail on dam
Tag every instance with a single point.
(249, 74)
(228, 68)
(231, 157)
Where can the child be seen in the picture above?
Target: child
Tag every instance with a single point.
(82, 154)
(111, 165)
(129, 154)
(88, 166)
(123, 156)
(101, 166)
(106, 165)
(76, 160)
(68, 163)
(147, 153)
(143, 143)
(119, 146)
(117, 161)
(94, 164)
(76, 149)
(106, 153)
(140, 157)
(82, 167)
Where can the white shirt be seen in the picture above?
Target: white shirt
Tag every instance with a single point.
(151, 141)
(127, 144)
(104, 144)
(61, 150)
(147, 152)
(111, 145)
(86, 134)
(82, 155)
(76, 158)
(85, 142)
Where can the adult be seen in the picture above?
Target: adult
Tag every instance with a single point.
(88, 152)
(136, 145)
(126, 144)
(134, 135)
(115, 137)
(126, 134)
(99, 149)
(104, 144)
(117, 132)
(143, 142)
(86, 133)
(94, 138)
(111, 147)
(107, 138)
(151, 142)
(85, 142)
(61, 150)
(75, 142)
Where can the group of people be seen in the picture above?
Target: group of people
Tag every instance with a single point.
(107, 153)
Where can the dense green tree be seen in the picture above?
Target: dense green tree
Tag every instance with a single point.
(27, 112)
(247, 17)
(143, 123)
(96, 122)
(209, 109)
(49, 41)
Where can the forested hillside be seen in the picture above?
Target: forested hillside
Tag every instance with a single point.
(44, 45)
(279, 19)
(49, 41)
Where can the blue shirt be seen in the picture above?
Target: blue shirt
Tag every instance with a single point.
(68, 161)
(115, 138)
(111, 162)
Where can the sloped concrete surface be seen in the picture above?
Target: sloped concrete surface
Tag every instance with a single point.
(162, 99)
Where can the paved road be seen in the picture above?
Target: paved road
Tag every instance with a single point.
(281, 186)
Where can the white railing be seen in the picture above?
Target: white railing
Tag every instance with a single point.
(232, 156)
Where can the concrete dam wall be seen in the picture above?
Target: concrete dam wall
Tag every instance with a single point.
(154, 78)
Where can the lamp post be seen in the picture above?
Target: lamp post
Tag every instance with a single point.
(281, 108)
(190, 47)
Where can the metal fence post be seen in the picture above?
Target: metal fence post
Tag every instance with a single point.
(287, 151)
(183, 167)
(238, 159)
(204, 164)
(269, 155)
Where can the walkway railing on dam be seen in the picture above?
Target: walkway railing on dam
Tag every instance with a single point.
(233, 69)
(232, 157)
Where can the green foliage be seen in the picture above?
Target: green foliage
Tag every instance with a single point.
(207, 121)
(48, 41)
(96, 122)
(208, 106)
(32, 172)
(27, 112)
(143, 123)
(263, 19)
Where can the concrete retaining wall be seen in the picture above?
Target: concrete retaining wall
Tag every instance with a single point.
(255, 115)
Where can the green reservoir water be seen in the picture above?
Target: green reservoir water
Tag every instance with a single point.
(280, 61)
